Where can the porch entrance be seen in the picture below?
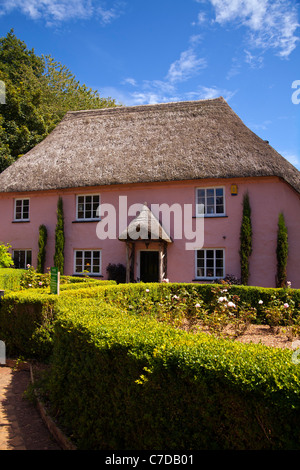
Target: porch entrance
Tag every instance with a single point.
(149, 266)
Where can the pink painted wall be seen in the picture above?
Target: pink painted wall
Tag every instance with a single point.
(268, 197)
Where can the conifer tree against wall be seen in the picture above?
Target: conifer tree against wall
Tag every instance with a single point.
(281, 251)
(59, 238)
(42, 249)
(246, 240)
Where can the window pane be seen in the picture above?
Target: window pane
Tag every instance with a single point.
(200, 272)
(210, 272)
(16, 259)
(28, 257)
(219, 191)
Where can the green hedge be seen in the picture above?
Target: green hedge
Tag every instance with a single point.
(10, 278)
(121, 381)
(77, 283)
(139, 297)
(27, 328)
(26, 323)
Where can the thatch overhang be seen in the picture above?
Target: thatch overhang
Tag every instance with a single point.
(145, 227)
(151, 143)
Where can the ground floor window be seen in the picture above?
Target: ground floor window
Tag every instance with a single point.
(210, 263)
(88, 261)
(22, 258)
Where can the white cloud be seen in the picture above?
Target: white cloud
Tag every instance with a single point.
(272, 23)
(254, 61)
(186, 66)
(55, 11)
(129, 81)
(162, 92)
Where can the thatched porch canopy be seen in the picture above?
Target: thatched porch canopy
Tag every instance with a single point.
(145, 227)
(151, 143)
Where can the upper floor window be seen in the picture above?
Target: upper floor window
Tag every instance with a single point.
(87, 207)
(210, 201)
(21, 211)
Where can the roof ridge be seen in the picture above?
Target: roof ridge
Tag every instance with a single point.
(146, 107)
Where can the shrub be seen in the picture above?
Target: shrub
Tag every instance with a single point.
(42, 249)
(116, 272)
(59, 238)
(26, 323)
(5, 257)
(10, 279)
(31, 279)
(245, 240)
(282, 251)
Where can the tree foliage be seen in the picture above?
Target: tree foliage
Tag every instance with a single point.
(245, 240)
(39, 92)
(59, 238)
(42, 249)
(5, 257)
(282, 251)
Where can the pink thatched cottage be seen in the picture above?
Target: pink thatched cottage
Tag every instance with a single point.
(157, 188)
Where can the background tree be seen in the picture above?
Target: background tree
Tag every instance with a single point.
(5, 257)
(42, 249)
(59, 238)
(282, 251)
(39, 92)
(245, 240)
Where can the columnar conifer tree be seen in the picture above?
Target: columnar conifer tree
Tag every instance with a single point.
(281, 251)
(59, 238)
(42, 249)
(245, 240)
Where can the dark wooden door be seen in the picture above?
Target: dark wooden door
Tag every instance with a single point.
(149, 266)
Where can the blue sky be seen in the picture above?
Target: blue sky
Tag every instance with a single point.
(151, 51)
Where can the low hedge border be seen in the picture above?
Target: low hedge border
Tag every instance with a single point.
(133, 296)
(121, 381)
(26, 316)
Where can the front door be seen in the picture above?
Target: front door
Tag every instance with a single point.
(149, 266)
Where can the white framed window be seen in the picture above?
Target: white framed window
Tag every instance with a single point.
(210, 201)
(210, 263)
(22, 258)
(87, 207)
(88, 261)
(21, 209)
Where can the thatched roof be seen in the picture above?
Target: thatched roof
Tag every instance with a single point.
(145, 226)
(162, 142)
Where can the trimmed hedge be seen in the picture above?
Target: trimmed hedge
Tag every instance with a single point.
(27, 319)
(121, 381)
(10, 278)
(134, 296)
(26, 323)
